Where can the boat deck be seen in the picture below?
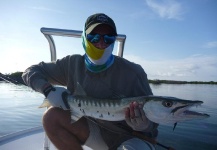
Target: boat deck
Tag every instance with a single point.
(31, 139)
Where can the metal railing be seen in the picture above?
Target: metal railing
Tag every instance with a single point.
(49, 32)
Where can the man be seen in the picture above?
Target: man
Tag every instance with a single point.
(101, 75)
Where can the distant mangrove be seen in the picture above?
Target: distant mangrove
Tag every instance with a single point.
(180, 82)
(17, 76)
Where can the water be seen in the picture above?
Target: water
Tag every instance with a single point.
(19, 110)
(191, 135)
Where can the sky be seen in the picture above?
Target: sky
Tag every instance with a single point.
(170, 39)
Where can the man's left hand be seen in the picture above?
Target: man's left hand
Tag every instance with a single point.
(135, 117)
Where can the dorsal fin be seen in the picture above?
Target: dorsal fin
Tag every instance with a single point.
(79, 90)
(116, 95)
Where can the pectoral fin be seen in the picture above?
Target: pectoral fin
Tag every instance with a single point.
(175, 124)
(45, 103)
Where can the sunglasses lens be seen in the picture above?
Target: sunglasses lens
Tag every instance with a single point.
(93, 38)
(109, 39)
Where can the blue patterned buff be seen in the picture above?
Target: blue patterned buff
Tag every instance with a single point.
(97, 60)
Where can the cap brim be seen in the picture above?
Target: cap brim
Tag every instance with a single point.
(90, 29)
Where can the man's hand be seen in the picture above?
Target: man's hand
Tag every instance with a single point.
(135, 117)
(55, 96)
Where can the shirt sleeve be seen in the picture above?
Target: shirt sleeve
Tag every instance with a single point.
(37, 76)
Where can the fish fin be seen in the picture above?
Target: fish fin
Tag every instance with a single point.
(79, 90)
(45, 103)
(175, 124)
(74, 116)
(116, 94)
(73, 119)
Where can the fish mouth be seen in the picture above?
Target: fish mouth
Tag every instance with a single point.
(194, 113)
(184, 109)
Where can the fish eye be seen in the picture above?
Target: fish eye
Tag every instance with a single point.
(167, 103)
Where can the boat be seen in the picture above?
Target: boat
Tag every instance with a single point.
(29, 139)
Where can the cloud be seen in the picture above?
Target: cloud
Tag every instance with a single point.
(168, 9)
(212, 44)
(194, 68)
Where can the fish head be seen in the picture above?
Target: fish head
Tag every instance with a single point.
(170, 110)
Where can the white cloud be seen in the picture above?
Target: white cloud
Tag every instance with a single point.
(194, 68)
(212, 44)
(169, 9)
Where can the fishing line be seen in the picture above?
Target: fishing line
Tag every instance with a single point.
(133, 134)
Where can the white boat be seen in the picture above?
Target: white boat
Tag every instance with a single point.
(29, 139)
(33, 139)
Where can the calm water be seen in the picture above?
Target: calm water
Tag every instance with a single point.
(19, 110)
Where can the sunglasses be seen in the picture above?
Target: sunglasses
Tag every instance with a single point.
(95, 38)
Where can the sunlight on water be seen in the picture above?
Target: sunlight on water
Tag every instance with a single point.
(19, 110)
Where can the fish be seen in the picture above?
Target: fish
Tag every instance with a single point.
(163, 110)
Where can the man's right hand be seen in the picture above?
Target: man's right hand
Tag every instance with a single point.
(135, 117)
(55, 96)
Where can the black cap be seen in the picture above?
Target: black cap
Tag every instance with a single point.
(97, 19)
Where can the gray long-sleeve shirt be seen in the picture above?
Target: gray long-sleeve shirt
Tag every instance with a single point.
(123, 78)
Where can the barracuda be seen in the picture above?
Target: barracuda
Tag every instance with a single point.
(158, 109)
(162, 110)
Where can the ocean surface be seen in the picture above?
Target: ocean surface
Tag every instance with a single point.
(19, 111)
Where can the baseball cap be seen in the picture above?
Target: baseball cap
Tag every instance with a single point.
(97, 19)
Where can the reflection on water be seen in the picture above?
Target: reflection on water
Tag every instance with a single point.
(19, 110)
(197, 134)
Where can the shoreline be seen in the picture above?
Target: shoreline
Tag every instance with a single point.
(17, 76)
(180, 82)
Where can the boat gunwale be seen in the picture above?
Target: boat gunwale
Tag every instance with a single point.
(20, 134)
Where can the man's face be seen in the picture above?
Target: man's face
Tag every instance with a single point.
(102, 30)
